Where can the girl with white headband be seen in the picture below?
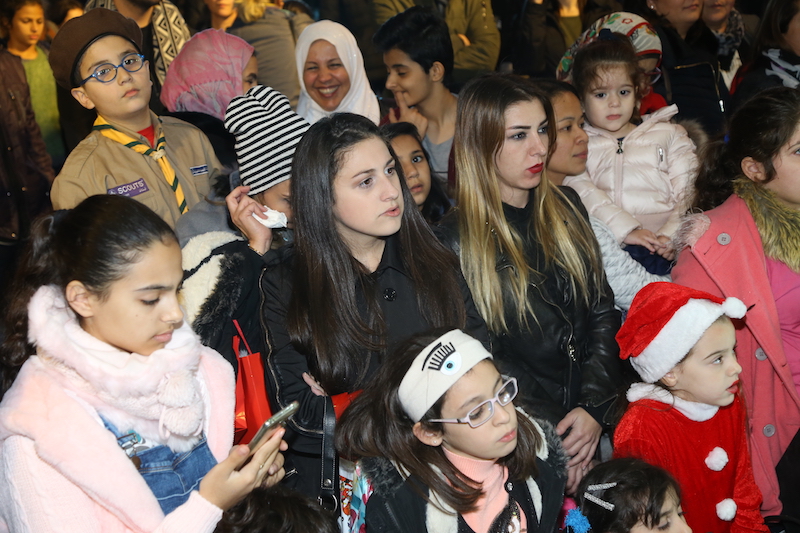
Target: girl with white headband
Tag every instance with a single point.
(443, 448)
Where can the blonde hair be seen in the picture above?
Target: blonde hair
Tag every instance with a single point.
(252, 10)
(564, 234)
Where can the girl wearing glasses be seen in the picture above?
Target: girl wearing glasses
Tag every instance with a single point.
(637, 169)
(443, 448)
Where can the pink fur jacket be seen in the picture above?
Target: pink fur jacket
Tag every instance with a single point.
(62, 470)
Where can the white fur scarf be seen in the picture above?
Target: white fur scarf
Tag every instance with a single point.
(157, 395)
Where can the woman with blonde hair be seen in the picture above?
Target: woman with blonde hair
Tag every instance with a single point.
(532, 263)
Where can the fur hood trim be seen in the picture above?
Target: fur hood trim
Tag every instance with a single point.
(202, 268)
(778, 225)
(158, 394)
(693, 226)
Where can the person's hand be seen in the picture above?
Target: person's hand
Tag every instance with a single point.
(228, 482)
(242, 208)
(574, 476)
(643, 237)
(409, 114)
(464, 39)
(665, 250)
(316, 388)
(584, 435)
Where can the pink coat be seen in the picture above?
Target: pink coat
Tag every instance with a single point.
(725, 257)
(62, 470)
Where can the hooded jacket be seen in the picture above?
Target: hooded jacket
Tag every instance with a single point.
(62, 470)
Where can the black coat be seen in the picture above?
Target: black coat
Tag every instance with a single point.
(286, 365)
(568, 357)
(395, 507)
(26, 172)
(691, 76)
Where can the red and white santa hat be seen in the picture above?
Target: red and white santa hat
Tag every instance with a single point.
(665, 321)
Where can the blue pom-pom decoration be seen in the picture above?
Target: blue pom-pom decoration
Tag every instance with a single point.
(576, 521)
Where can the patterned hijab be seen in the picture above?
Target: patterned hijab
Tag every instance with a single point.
(359, 99)
(644, 38)
(207, 74)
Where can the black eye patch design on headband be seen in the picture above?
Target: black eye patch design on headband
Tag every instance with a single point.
(443, 357)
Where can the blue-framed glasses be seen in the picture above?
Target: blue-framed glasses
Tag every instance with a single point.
(484, 411)
(106, 73)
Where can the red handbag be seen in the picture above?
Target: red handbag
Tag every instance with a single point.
(252, 404)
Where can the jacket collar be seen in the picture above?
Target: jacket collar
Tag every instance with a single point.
(699, 412)
(392, 257)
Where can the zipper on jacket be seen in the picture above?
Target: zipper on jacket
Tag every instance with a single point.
(715, 72)
(619, 145)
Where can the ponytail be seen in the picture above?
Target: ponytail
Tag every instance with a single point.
(94, 243)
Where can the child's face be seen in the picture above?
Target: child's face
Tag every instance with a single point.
(610, 103)
(786, 182)
(710, 374)
(671, 519)
(278, 197)
(26, 27)
(124, 98)
(416, 169)
(138, 312)
(569, 156)
(368, 199)
(407, 76)
(492, 440)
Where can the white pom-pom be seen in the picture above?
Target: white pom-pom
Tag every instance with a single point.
(726, 509)
(275, 219)
(717, 459)
(734, 307)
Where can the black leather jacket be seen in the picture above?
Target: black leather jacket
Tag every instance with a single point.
(568, 357)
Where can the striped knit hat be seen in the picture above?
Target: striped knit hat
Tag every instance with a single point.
(267, 132)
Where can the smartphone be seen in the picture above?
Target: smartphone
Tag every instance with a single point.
(278, 419)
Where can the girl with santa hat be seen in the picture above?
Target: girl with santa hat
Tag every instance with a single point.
(687, 416)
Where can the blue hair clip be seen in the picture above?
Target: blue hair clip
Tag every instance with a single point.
(726, 138)
(576, 521)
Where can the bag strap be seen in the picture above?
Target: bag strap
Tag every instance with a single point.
(241, 336)
(329, 478)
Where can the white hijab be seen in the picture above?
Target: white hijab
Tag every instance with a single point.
(359, 99)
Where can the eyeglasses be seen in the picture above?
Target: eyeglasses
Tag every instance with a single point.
(653, 76)
(484, 411)
(106, 73)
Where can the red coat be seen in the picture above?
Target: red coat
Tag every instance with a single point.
(662, 435)
(725, 257)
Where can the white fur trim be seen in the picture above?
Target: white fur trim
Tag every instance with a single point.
(680, 334)
(717, 459)
(726, 509)
(699, 412)
(198, 287)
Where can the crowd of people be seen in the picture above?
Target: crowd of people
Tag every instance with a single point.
(517, 265)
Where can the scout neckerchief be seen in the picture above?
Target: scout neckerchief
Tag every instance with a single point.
(158, 154)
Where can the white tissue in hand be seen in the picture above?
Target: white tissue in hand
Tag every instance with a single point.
(275, 219)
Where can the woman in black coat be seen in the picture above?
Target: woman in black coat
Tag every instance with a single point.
(690, 68)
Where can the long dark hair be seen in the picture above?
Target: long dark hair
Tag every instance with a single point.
(94, 243)
(437, 204)
(375, 425)
(758, 129)
(324, 270)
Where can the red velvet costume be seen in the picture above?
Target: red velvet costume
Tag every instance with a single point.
(681, 438)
